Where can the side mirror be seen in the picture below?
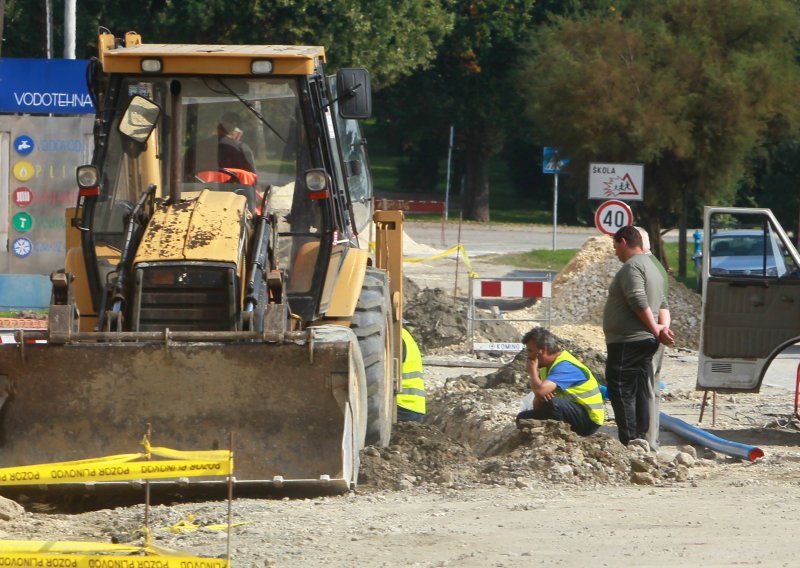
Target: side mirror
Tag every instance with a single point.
(140, 119)
(354, 93)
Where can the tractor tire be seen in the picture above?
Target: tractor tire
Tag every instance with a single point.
(372, 326)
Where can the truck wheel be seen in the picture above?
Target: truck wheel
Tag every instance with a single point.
(372, 326)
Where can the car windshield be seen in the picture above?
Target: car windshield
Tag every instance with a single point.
(738, 245)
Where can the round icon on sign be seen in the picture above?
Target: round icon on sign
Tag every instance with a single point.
(23, 196)
(23, 170)
(22, 247)
(612, 215)
(23, 145)
(22, 222)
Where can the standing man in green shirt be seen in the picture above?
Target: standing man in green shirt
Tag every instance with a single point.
(665, 319)
(633, 333)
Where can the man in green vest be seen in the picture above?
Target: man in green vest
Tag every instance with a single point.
(411, 398)
(564, 388)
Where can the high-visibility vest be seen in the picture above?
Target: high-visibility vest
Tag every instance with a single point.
(412, 394)
(586, 393)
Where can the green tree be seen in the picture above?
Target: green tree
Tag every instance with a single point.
(471, 87)
(690, 88)
(391, 39)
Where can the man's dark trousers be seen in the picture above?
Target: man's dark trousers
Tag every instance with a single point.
(627, 376)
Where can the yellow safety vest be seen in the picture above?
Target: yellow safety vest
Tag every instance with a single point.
(412, 394)
(586, 393)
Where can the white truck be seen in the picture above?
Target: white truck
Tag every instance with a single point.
(751, 297)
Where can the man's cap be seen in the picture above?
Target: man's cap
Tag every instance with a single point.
(231, 122)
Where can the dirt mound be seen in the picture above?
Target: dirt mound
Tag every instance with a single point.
(581, 288)
(437, 320)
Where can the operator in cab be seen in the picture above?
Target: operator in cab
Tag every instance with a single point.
(222, 151)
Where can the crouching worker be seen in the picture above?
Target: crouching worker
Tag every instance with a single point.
(411, 398)
(564, 388)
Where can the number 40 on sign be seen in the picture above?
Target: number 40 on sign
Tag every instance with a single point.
(612, 215)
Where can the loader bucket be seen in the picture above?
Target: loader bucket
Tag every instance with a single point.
(296, 408)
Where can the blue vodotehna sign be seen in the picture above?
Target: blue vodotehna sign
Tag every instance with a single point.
(44, 86)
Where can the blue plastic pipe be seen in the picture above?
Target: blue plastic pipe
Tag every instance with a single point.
(703, 438)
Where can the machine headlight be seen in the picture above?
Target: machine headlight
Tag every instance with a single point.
(88, 181)
(88, 177)
(316, 180)
(261, 67)
(151, 66)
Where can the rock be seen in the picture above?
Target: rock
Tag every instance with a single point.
(522, 483)
(10, 509)
(678, 473)
(445, 477)
(642, 478)
(404, 485)
(640, 466)
(684, 459)
(639, 445)
(687, 449)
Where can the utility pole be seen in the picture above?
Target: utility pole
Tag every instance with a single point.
(48, 7)
(2, 22)
(69, 29)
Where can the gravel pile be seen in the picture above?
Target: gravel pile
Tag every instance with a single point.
(581, 288)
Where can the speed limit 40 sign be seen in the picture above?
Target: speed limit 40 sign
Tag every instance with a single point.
(612, 215)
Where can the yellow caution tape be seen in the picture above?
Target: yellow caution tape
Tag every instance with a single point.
(112, 471)
(104, 561)
(122, 467)
(188, 525)
(457, 248)
(74, 554)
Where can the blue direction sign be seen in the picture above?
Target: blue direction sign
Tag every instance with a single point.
(552, 162)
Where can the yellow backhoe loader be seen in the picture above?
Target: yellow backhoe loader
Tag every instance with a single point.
(218, 277)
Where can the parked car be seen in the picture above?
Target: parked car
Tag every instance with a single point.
(742, 252)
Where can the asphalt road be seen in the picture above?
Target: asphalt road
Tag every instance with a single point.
(782, 372)
(483, 239)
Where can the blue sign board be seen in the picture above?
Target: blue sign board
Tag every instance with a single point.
(44, 86)
(552, 162)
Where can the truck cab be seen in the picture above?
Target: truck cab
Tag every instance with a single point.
(751, 297)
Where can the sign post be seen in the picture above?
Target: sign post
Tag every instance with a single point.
(552, 163)
(612, 215)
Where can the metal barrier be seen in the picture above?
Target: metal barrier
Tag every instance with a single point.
(506, 288)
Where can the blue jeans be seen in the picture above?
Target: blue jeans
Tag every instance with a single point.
(563, 410)
(406, 415)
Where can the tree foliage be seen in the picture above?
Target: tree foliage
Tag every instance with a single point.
(470, 86)
(391, 39)
(690, 88)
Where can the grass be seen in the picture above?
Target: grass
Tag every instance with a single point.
(541, 259)
(544, 259)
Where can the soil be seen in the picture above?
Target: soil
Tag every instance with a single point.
(467, 488)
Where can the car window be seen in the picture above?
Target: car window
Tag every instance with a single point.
(747, 246)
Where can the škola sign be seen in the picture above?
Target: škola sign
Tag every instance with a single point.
(44, 86)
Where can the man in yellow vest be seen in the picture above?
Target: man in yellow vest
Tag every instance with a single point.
(411, 398)
(564, 388)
